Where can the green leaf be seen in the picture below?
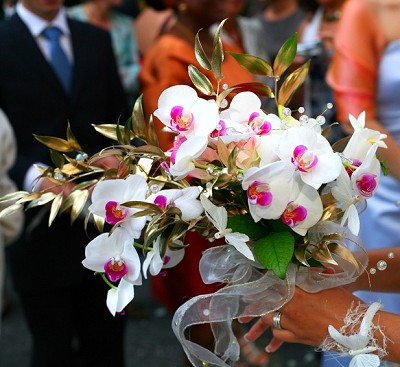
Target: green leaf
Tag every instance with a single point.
(138, 120)
(275, 252)
(200, 81)
(245, 224)
(286, 55)
(253, 64)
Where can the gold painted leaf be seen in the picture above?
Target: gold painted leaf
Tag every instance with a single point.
(223, 152)
(260, 89)
(223, 181)
(58, 144)
(138, 120)
(339, 145)
(14, 196)
(345, 254)
(200, 81)
(85, 185)
(302, 255)
(292, 83)
(253, 64)
(29, 197)
(150, 150)
(109, 131)
(152, 135)
(42, 200)
(143, 205)
(57, 158)
(70, 169)
(55, 207)
(201, 56)
(322, 254)
(73, 142)
(98, 222)
(223, 95)
(79, 202)
(218, 53)
(285, 56)
(11, 209)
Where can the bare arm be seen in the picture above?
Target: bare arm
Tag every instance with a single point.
(298, 326)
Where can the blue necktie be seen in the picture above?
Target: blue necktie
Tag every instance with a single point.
(58, 59)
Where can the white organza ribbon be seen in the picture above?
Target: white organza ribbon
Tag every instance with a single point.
(251, 292)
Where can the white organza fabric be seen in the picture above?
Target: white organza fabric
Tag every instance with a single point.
(250, 291)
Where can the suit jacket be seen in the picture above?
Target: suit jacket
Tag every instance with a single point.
(35, 102)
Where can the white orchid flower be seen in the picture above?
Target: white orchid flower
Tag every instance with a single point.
(304, 208)
(108, 196)
(182, 111)
(115, 256)
(268, 189)
(362, 139)
(118, 298)
(185, 199)
(245, 109)
(218, 216)
(191, 149)
(347, 199)
(231, 131)
(365, 179)
(173, 257)
(311, 154)
(153, 261)
(267, 147)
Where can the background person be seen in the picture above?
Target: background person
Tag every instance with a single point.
(63, 303)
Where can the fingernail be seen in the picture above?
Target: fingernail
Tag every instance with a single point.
(240, 321)
(267, 349)
(246, 338)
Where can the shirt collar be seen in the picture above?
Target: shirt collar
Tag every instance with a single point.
(36, 24)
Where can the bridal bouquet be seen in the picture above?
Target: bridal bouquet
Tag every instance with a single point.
(283, 203)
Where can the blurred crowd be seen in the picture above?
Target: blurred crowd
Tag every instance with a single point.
(119, 50)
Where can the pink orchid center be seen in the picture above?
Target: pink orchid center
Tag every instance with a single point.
(355, 163)
(258, 193)
(366, 184)
(161, 201)
(115, 269)
(220, 130)
(304, 159)
(181, 119)
(177, 143)
(294, 214)
(115, 212)
(259, 125)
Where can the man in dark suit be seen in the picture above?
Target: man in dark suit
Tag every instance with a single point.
(64, 304)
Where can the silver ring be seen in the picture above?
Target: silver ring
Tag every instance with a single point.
(277, 320)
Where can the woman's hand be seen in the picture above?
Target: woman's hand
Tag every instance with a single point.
(305, 318)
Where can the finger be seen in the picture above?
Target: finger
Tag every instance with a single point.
(274, 345)
(262, 325)
(245, 319)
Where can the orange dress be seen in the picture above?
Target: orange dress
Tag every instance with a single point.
(165, 65)
(353, 72)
